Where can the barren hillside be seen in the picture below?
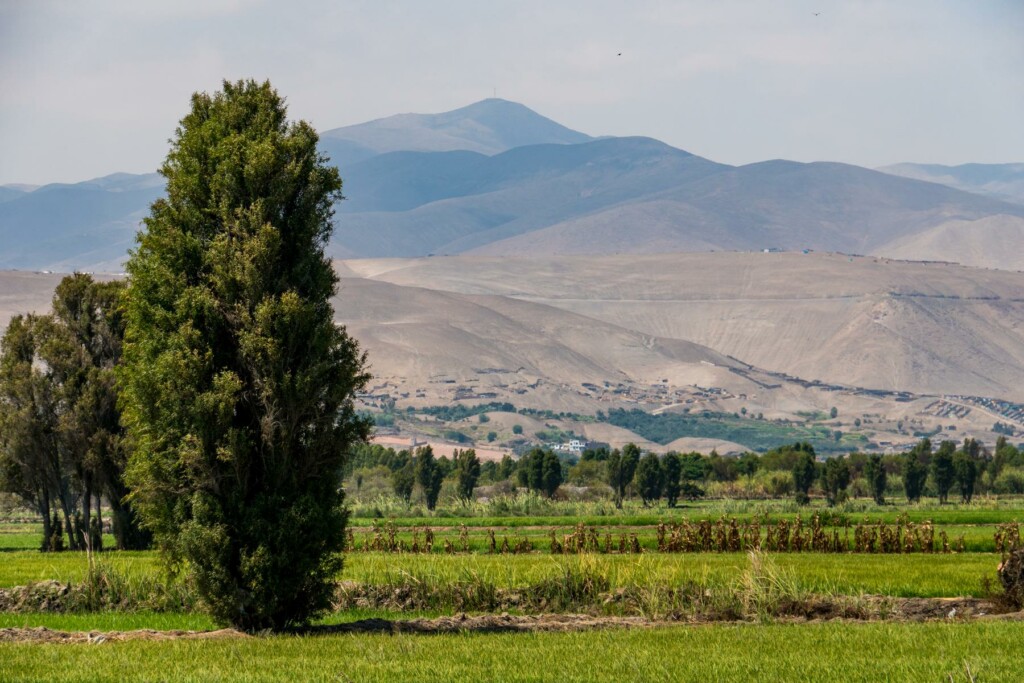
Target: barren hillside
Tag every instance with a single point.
(862, 321)
(991, 242)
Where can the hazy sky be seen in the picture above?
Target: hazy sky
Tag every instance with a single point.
(90, 88)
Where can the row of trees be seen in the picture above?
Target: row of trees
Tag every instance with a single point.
(429, 472)
(793, 469)
(62, 447)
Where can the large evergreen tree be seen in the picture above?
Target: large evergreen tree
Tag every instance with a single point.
(237, 385)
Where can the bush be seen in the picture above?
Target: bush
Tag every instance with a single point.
(1009, 481)
(1011, 576)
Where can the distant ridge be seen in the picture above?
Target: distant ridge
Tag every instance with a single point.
(1005, 181)
(497, 178)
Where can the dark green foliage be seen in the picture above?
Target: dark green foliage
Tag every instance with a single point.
(874, 473)
(506, 468)
(237, 386)
(747, 464)
(403, 480)
(460, 411)
(456, 436)
(649, 478)
(915, 470)
(429, 475)
(833, 413)
(721, 468)
(620, 467)
(62, 442)
(942, 469)
(672, 469)
(785, 458)
(1003, 428)
(31, 462)
(552, 475)
(1005, 455)
(491, 436)
(369, 455)
(467, 472)
(835, 479)
(541, 470)
(517, 429)
(965, 470)
(695, 466)
(804, 474)
(759, 435)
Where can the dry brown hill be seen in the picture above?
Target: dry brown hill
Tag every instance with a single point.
(447, 345)
(861, 321)
(991, 242)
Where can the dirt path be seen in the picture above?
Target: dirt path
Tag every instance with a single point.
(45, 635)
(875, 608)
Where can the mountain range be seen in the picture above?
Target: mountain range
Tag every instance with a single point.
(496, 178)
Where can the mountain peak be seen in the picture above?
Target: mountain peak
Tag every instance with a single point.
(490, 126)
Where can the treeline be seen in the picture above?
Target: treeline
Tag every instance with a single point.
(62, 447)
(792, 470)
(419, 471)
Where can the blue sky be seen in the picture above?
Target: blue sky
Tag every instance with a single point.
(93, 88)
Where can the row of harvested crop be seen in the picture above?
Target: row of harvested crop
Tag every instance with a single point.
(721, 535)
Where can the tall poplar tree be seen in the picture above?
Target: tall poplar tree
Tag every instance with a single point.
(237, 386)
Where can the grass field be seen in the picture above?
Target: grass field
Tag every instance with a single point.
(974, 523)
(807, 652)
(768, 650)
(897, 575)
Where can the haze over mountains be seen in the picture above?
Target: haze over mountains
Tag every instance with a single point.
(496, 178)
(1003, 181)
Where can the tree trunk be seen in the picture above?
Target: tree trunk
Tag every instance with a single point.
(85, 532)
(44, 510)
